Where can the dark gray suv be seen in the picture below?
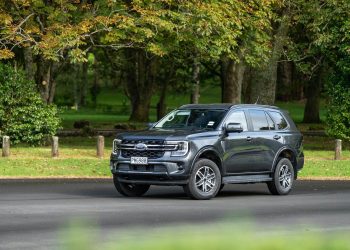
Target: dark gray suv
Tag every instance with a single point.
(204, 147)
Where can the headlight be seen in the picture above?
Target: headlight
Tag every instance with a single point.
(116, 143)
(181, 147)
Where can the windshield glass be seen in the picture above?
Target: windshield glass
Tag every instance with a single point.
(192, 119)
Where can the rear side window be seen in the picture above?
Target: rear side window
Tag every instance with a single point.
(238, 117)
(259, 120)
(271, 123)
(279, 120)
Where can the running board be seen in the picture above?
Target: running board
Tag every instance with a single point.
(246, 178)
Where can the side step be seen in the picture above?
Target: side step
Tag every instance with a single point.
(246, 178)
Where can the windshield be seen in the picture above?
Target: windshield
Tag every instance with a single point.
(192, 119)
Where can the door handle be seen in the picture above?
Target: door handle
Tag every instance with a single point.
(249, 138)
(277, 137)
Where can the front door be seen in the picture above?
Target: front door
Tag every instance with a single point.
(239, 148)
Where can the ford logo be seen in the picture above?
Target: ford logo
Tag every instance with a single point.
(141, 146)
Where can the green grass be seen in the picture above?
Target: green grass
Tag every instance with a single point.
(54, 168)
(326, 168)
(78, 159)
(209, 236)
(113, 107)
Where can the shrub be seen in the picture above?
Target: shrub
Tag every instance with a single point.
(23, 115)
(81, 124)
(338, 111)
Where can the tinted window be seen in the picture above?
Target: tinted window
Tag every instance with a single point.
(238, 117)
(259, 120)
(192, 118)
(270, 122)
(279, 120)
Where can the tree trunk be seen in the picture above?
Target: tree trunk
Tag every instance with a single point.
(312, 106)
(77, 87)
(141, 79)
(195, 79)
(45, 79)
(232, 74)
(284, 81)
(84, 84)
(161, 105)
(264, 78)
(29, 63)
(95, 89)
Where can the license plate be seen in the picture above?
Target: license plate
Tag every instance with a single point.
(139, 160)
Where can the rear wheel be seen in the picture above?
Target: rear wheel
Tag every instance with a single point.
(128, 189)
(205, 180)
(283, 178)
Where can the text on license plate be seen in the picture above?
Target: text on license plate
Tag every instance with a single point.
(138, 160)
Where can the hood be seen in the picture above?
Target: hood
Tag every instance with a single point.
(166, 134)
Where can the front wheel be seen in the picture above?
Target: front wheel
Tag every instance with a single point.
(205, 180)
(130, 190)
(283, 178)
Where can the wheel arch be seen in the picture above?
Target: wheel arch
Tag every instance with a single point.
(289, 153)
(208, 153)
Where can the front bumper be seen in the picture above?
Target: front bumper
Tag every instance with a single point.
(161, 171)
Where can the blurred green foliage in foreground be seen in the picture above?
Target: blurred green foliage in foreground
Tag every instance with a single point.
(207, 236)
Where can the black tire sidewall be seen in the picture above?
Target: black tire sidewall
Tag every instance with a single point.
(123, 189)
(191, 188)
(279, 189)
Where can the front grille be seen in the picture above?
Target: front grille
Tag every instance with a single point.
(151, 154)
(155, 148)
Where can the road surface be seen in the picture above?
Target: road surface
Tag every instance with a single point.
(33, 213)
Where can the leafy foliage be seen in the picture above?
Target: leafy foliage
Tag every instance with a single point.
(23, 115)
(338, 115)
(321, 33)
(63, 27)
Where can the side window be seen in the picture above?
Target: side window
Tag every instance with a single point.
(270, 122)
(238, 117)
(259, 120)
(279, 120)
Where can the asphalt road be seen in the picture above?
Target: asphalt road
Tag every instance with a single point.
(32, 214)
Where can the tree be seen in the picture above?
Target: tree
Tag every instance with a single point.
(252, 50)
(319, 45)
(47, 33)
(23, 115)
(264, 77)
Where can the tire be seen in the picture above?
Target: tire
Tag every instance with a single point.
(205, 180)
(283, 178)
(130, 190)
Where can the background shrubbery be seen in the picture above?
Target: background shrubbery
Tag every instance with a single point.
(23, 115)
(338, 109)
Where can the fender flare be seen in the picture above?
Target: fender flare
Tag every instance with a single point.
(203, 150)
(278, 154)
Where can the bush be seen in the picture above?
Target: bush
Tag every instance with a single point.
(23, 115)
(81, 124)
(338, 111)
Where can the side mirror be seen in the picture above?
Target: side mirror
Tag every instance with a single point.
(233, 128)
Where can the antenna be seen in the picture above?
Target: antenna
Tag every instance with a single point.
(257, 99)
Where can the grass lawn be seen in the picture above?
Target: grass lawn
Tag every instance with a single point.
(78, 159)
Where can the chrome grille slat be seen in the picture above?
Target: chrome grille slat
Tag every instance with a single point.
(155, 148)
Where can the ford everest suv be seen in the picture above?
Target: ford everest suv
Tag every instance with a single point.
(204, 147)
